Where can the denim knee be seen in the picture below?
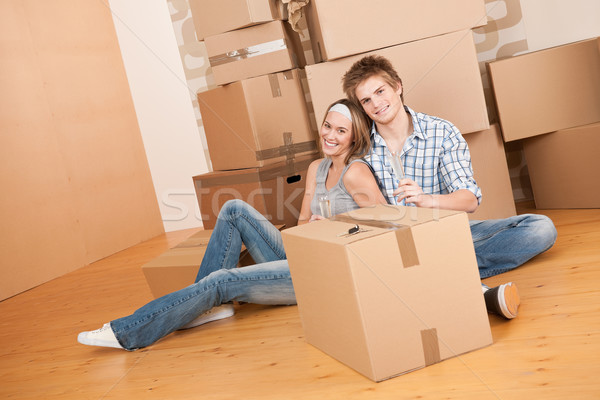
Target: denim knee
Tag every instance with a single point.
(544, 230)
(231, 206)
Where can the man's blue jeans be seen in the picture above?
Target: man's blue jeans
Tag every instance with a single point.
(504, 244)
(500, 245)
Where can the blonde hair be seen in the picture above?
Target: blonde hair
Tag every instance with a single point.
(365, 68)
(361, 133)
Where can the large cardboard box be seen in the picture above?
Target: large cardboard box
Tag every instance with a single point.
(254, 51)
(275, 190)
(548, 90)
(440, 75)
(401, 294)
(212, 17)
(488, 159)
(257, 121)
(340, 28)
(564, 167)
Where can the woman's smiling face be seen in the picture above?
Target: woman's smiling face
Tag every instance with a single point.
(336, 134)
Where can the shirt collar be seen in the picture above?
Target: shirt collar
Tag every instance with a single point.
(417, 128)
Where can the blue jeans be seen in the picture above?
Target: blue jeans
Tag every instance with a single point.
(218, 280)
(504, 244)
(500, 245)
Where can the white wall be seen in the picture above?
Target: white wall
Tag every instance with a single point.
(550, 23)
(163, 104)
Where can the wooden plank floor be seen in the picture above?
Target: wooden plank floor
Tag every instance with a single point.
(551, 351)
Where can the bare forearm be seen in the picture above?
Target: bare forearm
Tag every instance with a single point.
(461, 200)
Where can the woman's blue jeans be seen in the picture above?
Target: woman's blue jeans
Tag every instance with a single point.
(218, 280)
(500, 245)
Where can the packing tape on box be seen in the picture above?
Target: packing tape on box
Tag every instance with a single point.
(404, 236)
(289, 149)
(248, 52)
(274, 81)
(431, 346)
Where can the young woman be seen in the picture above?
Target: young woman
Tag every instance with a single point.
(342, 176)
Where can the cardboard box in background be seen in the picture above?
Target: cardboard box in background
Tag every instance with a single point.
(275, 190)
(254, 51)
(394, 298)
(491, 174)
(257, 121)
(177, 267)
(214, 17)
(440, 75)
(564, 167)
(547, 90)
(340, 28)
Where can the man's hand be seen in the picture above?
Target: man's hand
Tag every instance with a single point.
(411, 193)
(460, 200)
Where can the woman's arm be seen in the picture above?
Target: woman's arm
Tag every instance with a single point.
(309, 191)
(362, 186)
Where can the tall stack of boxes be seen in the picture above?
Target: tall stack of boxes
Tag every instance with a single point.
(260, 136)
(431, 45)
(550, 101)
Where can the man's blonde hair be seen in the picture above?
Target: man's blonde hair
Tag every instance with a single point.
(365, 68)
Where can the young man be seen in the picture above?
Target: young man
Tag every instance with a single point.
(437, 173)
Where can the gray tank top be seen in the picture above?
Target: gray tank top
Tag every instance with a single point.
(339, 199)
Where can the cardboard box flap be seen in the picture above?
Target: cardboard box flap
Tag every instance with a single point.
(397, 215)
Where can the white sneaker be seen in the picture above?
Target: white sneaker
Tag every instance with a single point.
(103, 337)
(214, 314)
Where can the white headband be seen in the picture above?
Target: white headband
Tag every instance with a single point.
(342, 109)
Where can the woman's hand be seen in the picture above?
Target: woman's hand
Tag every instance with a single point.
(315, 217)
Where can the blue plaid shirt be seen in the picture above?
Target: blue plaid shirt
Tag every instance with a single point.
(435, 156)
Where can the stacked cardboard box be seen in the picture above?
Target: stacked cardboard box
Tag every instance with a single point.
(429, 42)
(210, 18)
(275, 190)
(258, 129)
(550, 100)
(257, 121)
(491, 174)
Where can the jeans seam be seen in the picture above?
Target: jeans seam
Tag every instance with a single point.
(495, 233)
